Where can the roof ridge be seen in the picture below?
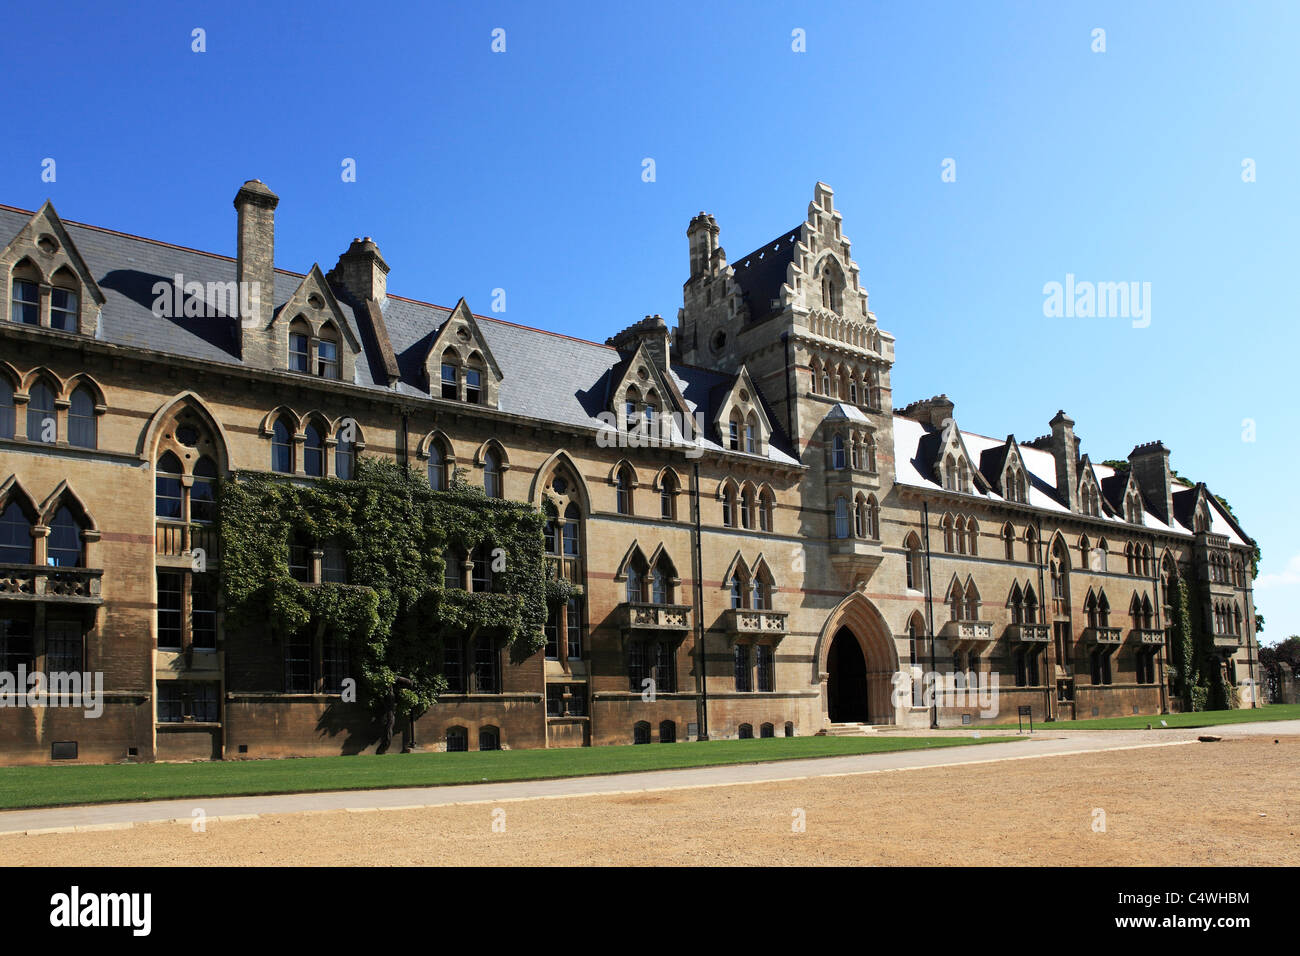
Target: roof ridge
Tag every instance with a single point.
(156, 242)
(516, 325)
(290, 272)
(763, 248)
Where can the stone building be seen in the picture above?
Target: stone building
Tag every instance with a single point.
(767, 545)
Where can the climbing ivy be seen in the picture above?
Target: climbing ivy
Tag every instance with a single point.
(395, 613)
(1202, 683)
(1184, 652)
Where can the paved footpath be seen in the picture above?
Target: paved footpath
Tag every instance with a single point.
(1043, 744)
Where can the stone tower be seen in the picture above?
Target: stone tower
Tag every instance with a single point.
(794, 312)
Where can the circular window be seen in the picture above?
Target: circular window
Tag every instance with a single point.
(187, 435)
(48, 244)
(559, 486)
(315, 301)
(462, 333)
(642, 374)
(744, 395)
(719, 341)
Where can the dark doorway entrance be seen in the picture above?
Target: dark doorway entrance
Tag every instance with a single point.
(846, 687)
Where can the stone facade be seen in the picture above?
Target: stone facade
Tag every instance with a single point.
(784, 552)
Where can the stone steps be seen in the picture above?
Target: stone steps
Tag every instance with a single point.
(846, 730)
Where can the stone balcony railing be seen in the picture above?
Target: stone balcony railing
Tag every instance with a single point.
(1029, 633)
(560, 568)
(169, 539)
(641, 616)
(748, 623)
(858, 547)
(1103, 635)
(34, 582)
(967, 632)
(1148, 635)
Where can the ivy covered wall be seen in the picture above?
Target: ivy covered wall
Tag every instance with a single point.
(395, 614)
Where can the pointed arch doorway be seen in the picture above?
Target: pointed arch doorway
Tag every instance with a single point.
(846, 683)
(856, 663)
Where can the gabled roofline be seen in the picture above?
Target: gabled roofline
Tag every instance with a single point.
(291, 273)
(462, 309)
(1213, 501)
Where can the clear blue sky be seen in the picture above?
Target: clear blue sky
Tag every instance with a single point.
(522, 170)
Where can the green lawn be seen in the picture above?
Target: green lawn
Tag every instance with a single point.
(65, 785)
(1203, 718)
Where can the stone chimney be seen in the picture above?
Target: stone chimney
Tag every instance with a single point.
(653, 331)
(930, 411)
(362, 272)
(1065, 449)
(702, 236)
(255, 268)
(360, 278)
(1149, 464)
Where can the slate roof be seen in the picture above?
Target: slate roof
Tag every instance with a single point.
(1112, 489)
(545, 375)
(993, 460)
(916, 445)
(761, 274)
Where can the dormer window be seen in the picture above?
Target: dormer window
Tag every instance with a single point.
(751, 436)
(327, 354)
(1015, 485)
(449, 388)
(63, 310)
(1133, 508)
(1090, 500)
(733, 432)
(630, 404)
(950, 474)
(1201, 520)
(299, 347)
(475, 386)
(26, 306)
